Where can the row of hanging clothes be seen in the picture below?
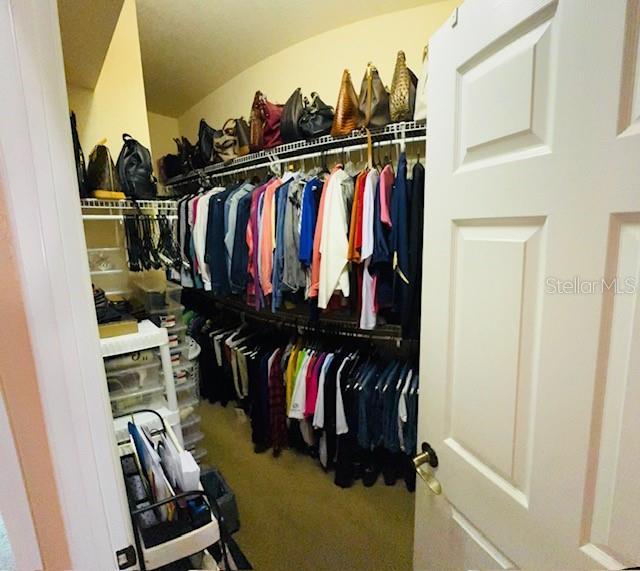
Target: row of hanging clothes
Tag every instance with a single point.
(342, 239)
(339, 399)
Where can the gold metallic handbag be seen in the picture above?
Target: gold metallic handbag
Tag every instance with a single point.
(347, 115)
(374, 99)
(402, 99)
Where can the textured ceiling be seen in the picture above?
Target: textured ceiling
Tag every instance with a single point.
(191, 47)
(86, 28)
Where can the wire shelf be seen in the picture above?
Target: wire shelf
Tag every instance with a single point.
(161, 206)
(404, 132)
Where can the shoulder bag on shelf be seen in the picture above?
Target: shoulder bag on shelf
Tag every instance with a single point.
(102, 177)
(374, 99)
(420, 112)
(291, 113)
(347, 116)
(243, 133)
(135, 170)
(402, 99)
(225, 142)
(206, 134)
(81, 168)
(272, 116)
(256, 139)
(316, 118)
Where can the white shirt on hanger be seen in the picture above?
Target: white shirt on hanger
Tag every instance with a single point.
(318, 416)
(334, 242)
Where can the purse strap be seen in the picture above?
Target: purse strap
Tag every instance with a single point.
(369, 95)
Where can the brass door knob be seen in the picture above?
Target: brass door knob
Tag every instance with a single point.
(424, 464)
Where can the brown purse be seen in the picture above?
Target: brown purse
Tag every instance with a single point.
(256, 139)
(402, 99)
(243, 133)
(374, 99)
(347, 116)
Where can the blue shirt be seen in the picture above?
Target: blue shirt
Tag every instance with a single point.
(308, 218)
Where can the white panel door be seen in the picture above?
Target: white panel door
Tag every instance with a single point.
(530, 358)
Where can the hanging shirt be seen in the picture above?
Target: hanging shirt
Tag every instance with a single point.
(318, 416)
(281, 202)
(386, 192)
(240, 248)
(300, 388)
(368, 309)
(353, 253)
(308, 217)
(360, 184)
(254, 293)
(334, 244)
(230, 218)
(267, 236)
(294, 275)
(314, 283)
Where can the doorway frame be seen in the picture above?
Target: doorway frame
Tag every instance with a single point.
(46, 231)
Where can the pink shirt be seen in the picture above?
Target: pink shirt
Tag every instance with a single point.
(312, 385)
(267, 245)
(386, 186)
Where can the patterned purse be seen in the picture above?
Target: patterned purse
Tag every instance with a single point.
(402, 99)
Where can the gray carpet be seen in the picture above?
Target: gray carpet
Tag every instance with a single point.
(293, 516)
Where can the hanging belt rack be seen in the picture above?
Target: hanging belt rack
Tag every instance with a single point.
(395, 133)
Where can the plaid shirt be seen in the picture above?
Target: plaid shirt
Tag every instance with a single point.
(277, 406)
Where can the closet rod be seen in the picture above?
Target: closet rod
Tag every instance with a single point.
(317, 154)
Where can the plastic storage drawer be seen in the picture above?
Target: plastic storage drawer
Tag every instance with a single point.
(135, 359)
(102, 260)
(190, 430)
(191, 442)
(134, 379)
(185, 373)
(168, 316)
(122, 404)
(174, 293)
(187, 394)
(177, 335)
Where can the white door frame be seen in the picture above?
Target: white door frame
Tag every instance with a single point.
(48, 238)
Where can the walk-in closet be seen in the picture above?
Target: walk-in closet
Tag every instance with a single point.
(319, 285)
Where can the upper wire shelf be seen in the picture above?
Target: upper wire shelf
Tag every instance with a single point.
(403, 132)
(162, 206)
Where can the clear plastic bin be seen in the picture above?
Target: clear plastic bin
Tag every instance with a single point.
(191, 420)
(179, 355)
(102, 260)
(198, 454)
(174, 293)
(135, 359)
(186, 372)
(177, 335)
(190, 430)
(134, 379)
(187, 394)
(191, 442)
(122, 404)
(168, 316)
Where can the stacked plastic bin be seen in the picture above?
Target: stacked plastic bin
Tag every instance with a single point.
(185, 365)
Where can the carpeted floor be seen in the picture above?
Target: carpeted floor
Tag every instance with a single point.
(293, 516)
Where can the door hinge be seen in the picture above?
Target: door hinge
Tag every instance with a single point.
(126, 557)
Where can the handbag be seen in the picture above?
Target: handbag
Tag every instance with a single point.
(101, 173)
(243, 133)
(291, 113)
(135, 170)
(81, 168)
(316, 118)
(272, 115)
(225, 141)
(205, 142)
(374, 99)
(420, 112)
(347, 116)
(256, 121)
(402, 99)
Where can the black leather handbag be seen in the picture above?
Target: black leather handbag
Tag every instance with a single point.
(206, 134)
(289, 129)
(135, 170)
(316, 118)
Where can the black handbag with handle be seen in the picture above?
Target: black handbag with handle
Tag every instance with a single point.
(81, 167)
(291, 113)
(206, 134)
(316, 118)
(135, 170)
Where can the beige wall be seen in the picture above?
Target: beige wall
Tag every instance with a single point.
(316, 64)
(162, 130)
(117, 105)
